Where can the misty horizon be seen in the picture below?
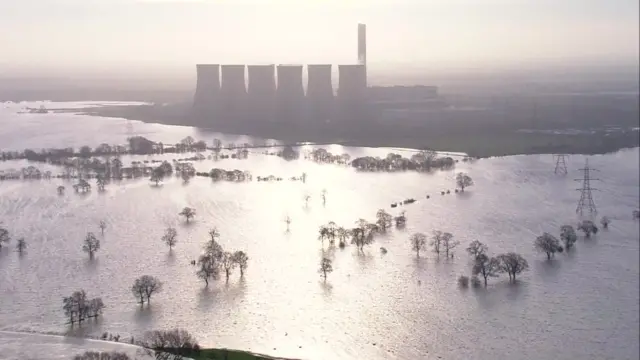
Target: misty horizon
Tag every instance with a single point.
(129, 36)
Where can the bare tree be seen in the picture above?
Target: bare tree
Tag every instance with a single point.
(73, 306)
(512, 264)
(548, 244)
(78, 307)
(212, 247)
(4, 237)
(145, 286)
(486, 267)
(103, 226)
(227, 262)
(188, 213)
(568, 236)
(21, 245)
(170, 237)
(363, 234)
(91, 244)
(588, 228)
(175, 344)
(95, 307)
(463, 181)
(306, 200)
(418, 242)
(384, 219)
(325, 267)
(342, 234)
(438, 239)
(605, 221)
(448, 243)
(208, 268)
(324, 197)
(323, 233)
(241, 259)
(476, 248)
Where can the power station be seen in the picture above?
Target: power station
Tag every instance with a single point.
(276, 93)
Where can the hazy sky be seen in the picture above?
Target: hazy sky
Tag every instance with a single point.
(423, 33)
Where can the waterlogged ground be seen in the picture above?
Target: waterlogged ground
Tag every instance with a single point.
(581, 305)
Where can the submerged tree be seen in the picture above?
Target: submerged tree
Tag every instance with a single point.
(548, 244)
(363, 234)
(170, 237)
(100, 182)
(4, 237)
(588, 228)
(438, 239)
(476, 248)
(568, 236)
(418, 242)
(463, 181)
(208, 268)
(188, 213)
(512, 264)
(325, 267)
(605, 221)
(486, 267)
(145, 286)
(91, 244)
(103, 226)
(60, 190)
(21, 245)
(383, 219)
(342, 234)
(78, 307)
(241, 259)
(448, 243)
(227, 262)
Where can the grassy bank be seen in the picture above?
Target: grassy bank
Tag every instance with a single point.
(478, 139)
(226, 354)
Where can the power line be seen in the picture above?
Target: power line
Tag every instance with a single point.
(586, 198)
(561, 165)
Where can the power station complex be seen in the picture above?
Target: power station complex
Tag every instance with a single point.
(277, 93)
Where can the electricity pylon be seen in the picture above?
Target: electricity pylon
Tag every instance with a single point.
(586, 198)
(561, 165)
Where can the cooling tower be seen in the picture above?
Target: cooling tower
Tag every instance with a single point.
(261, 92)
(352, 92)
(232, 92)
(290, 92)
(352, 83)
(319, 92)
(208, 86)
(290, 82)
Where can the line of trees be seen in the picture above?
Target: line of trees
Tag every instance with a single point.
(441, 242)
(364, 231)
(486, 266)
(77, 307)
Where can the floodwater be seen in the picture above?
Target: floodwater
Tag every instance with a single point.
(581, 305)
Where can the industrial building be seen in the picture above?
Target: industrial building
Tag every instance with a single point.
(276, 93)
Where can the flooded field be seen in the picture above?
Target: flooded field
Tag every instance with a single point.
(581, 305)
